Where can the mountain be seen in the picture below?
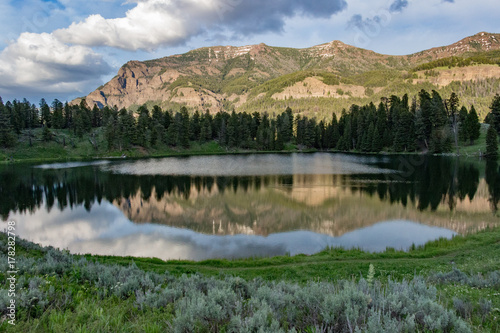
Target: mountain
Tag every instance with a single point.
(261, 77)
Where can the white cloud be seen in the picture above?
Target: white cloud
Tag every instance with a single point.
(154, 23)
(40, 62)
(150, 24)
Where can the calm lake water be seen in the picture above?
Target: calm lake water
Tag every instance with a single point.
(248, 205)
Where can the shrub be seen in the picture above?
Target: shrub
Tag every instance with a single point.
(463, 307)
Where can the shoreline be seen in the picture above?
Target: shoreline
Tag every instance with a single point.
(188, 153)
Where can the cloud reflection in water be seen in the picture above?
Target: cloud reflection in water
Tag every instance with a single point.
(108, 232)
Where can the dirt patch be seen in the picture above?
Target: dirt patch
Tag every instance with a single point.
(471, 73)
(235, 71)
(314, 87)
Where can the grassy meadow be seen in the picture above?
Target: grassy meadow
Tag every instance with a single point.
(443, 286)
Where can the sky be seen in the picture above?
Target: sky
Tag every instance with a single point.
(67, 48)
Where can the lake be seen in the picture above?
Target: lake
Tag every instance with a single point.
(234, 206)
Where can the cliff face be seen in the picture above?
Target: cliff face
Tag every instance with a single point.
(209, 78)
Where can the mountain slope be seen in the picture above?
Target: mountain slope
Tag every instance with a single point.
(228, 77)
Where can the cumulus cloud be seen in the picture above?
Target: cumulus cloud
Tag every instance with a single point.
(154, 23)
(40, 62)
(63, 61)
(398, 5)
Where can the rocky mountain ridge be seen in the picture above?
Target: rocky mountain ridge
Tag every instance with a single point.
(226, 77)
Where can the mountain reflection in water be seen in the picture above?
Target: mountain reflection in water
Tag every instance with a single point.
(258, 205)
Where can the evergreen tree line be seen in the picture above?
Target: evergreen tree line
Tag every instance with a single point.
(426, 123)
(180, 129)
(18, 116)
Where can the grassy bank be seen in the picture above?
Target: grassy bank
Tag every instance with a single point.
(446, 285)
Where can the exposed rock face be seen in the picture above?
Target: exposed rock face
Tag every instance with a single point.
(208, 77)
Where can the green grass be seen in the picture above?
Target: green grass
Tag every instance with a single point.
(477, 252)
(478, 146)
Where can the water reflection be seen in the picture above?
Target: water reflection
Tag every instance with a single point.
(110, 233)
(254, 164)
(253, 198)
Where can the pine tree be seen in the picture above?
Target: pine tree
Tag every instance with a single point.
(167, 119)
(254, 126)
(85, 116)
(185, 128)
(426, 115)
(195, 126)
(451, 106)
(347, 136)
(473, 125)
(173, 130)
(206, 130)
(223, 133)
(289, 132)
(111, 130)
(463, 129)
(321, 132)
(272, 135)
(46, 116)
(420, 130)
(143, 126)
(438, 115)
(286, 126)
(310, 133)
(78, 126)
(491, 143)
(405, 132)
(7, 136)
(67, 115)
(264, 134)
(495, 113)
(126, 129)
(368, 140)
(157, 133)
(441, 136)
(280, 141)
(57, 114)
(378, 137)
(46, 134)
(232, 131)
(244, 130)
(96, 116)
(335, 132)
(300, 130)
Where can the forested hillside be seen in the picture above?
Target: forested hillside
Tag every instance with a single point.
(425, 123)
